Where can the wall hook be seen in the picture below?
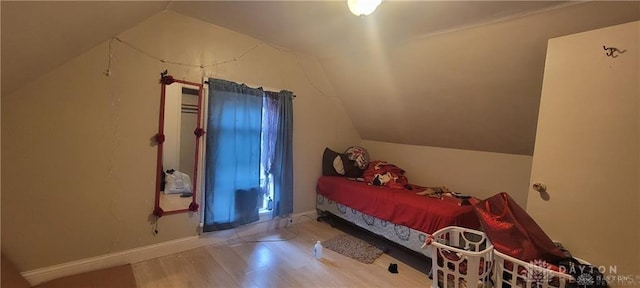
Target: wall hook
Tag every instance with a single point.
(611, 50)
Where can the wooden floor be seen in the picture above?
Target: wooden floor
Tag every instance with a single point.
(272, 263)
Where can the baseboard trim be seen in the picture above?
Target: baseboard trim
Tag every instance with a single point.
(135, 255)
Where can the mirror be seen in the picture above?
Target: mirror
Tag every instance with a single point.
(178, 140)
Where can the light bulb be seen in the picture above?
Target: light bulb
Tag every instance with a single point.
(363, 7)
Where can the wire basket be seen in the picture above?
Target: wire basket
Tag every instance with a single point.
(460, 258)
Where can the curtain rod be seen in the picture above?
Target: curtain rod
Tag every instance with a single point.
(294, 96)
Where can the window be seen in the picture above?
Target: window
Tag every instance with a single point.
(248, 158)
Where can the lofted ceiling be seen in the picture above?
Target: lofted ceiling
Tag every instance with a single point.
(457, 74)
(326, 28)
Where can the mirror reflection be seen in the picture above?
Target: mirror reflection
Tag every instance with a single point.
(178, 148)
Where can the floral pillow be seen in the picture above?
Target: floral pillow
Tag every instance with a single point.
(360, 155)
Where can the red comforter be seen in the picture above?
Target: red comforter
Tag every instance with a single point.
(398, 206)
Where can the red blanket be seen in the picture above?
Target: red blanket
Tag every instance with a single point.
(398, 206)
(513, 232)
(381, 173)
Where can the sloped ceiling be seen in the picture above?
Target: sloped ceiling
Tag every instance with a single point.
(38, 36)
(457, 74)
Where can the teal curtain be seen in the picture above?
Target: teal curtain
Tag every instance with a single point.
(232, 169)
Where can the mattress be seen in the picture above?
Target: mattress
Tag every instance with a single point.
(398, 206)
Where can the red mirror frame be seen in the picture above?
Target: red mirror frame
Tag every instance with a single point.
(159, 138)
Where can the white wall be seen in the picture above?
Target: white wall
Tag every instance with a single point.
(79, 166)
(476, 173)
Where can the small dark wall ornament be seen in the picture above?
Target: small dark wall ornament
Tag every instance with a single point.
(612, 51)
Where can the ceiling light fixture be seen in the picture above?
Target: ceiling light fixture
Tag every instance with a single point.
(363, 7)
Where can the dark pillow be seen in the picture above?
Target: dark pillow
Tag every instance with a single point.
(351, 168)
(328, 158)
(339, 164)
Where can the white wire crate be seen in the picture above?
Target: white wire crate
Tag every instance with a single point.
(514, 273)
(461, 258)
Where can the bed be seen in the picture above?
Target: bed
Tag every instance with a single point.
(398, 215)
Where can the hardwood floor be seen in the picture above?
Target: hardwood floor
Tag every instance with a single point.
(274, 263)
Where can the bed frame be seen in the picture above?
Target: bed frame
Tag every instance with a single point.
(399, 234)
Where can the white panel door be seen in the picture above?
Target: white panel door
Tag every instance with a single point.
(587, 148)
